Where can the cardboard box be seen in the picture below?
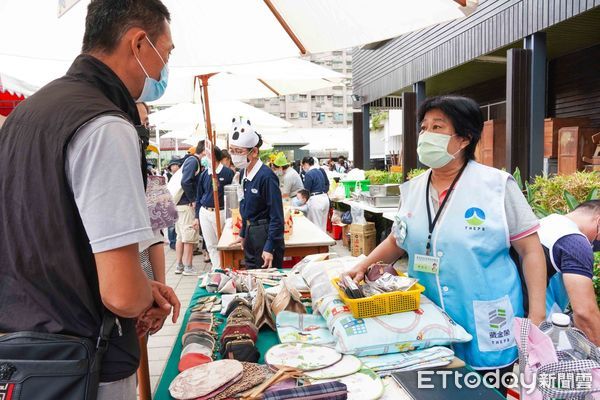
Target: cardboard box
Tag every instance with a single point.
(363, 239)
(346, 235)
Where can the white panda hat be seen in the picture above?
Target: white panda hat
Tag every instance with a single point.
(243, 134)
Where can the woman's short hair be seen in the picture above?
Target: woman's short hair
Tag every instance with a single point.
(465, 115)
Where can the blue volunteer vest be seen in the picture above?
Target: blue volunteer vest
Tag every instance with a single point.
(553, 228)
(477, 283)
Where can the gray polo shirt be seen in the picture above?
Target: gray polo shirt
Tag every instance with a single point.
(103, 170)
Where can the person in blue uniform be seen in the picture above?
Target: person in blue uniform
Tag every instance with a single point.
(317, 184)
(261, 208)
(457, 223)
(205, 204)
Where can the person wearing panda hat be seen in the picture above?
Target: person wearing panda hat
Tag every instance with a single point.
(261, 208)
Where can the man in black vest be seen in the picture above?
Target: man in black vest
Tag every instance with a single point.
(73, 253)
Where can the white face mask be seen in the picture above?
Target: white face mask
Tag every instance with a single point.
(432, 149)
(240, 160)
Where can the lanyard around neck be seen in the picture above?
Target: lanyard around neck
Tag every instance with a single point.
(431, 224)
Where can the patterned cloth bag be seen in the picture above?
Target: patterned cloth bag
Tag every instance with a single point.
(161, 206)
(557, 374)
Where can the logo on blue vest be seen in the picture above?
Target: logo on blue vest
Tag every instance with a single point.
(475, 216)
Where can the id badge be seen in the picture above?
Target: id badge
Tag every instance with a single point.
(427, 264)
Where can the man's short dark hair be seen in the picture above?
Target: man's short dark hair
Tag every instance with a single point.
(218, 154)
(200, 146)
(308, 160)
(108, 20)
(465, 115)
(304, 193)
(590, 206)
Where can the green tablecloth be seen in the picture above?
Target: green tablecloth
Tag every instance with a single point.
(266, 339)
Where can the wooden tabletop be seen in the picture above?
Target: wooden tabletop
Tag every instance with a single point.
(305, 234)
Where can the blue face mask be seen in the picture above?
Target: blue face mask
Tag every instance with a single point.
(205, 162)
(153, 89)
(297, 202)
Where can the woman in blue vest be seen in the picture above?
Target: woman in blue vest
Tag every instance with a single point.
(261, 207)
(457, 222)
(205, 204)
(317, 184)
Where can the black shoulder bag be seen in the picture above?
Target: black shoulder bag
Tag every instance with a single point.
(45, 366)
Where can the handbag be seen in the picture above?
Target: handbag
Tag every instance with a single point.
(48, 366)
(247, 329)
(241, 350)
(161, 206)
(538, 357)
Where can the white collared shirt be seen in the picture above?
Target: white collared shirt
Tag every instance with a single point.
(219, 169)
(250, 175)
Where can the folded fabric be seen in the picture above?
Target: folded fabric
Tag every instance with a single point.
(252, 376)
(191, 360)
(303, 328)
(205, 379)
(407, 359)
(328, 390)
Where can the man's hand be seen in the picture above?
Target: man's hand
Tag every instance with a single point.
(240, 241)
(196, 224)
(165, 300)
(268, 259)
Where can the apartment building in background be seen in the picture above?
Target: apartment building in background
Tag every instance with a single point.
(325, 108)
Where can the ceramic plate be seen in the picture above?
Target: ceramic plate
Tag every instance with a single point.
(306, 357)
(363, 385)
(204, 379)
(348, 365)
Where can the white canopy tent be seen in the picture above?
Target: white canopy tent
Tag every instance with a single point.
(186, 120)
(189, 115)
(16, 86)
(212, 34)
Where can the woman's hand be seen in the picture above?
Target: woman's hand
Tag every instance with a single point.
(358, 272)
(387, 252)
(196, 224)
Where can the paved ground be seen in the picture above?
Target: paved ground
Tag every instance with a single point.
(160, 344)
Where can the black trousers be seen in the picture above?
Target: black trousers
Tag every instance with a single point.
(254, 243)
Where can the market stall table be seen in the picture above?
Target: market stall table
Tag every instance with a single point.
(306, 239)
(266, 339)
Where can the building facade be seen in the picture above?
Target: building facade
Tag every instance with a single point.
(532, 65)
(325, 108)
